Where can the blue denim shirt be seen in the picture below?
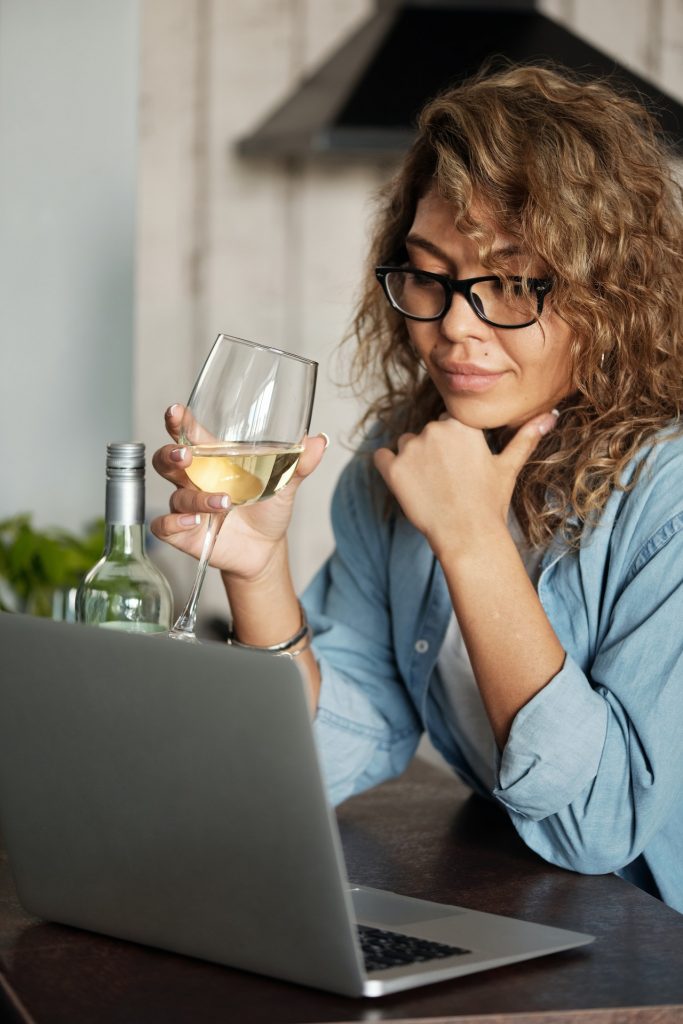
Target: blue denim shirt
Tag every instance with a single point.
(592, 771)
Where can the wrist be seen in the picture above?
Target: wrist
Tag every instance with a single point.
(290, 647)
(265, 609)
(473, 544)
(270, 571)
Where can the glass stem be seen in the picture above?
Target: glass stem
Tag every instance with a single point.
(185, 623)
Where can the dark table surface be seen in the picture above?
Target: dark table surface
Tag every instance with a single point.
(423, 835)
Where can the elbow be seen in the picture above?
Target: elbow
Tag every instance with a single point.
(578, 846)
(586, 861)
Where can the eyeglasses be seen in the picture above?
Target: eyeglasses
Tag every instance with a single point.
(501, 302)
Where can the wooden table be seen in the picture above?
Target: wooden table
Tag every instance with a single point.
(423, 835)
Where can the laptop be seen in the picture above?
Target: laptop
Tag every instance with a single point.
(170, 794)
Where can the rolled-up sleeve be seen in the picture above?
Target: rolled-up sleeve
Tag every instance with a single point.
(561, 731)
(592, 770)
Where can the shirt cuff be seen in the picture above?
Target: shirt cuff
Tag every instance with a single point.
(554, 748)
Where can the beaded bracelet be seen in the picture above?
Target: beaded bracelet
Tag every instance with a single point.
(285, 648)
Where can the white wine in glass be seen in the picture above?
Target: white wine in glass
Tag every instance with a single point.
(247, 472)
(245, 424)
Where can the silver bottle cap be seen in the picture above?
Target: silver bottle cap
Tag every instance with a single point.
(125, 504)
(125, 456)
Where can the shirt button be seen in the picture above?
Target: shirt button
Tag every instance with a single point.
(421, 646)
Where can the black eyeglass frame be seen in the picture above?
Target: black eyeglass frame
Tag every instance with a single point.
(451, 286)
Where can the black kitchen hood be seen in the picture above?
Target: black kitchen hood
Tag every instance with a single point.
(363, 101)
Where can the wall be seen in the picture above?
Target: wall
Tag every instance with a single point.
(68, 138)
(645, 35)
(265, 251)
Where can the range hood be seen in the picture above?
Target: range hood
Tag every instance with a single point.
(363, 101)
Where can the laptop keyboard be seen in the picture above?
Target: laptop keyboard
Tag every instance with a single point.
(382, 949)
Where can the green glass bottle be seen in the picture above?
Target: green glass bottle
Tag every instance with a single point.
(125, 590)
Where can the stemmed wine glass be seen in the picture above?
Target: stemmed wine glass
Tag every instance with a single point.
(245, 425)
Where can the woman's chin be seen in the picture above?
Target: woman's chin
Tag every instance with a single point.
(482, 416)
(482, 421)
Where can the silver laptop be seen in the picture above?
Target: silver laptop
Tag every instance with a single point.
(171, 795)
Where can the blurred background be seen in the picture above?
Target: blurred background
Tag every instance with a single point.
(133, 228)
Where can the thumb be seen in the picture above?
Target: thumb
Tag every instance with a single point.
(311, 457)
(383, 459)
(523, 443)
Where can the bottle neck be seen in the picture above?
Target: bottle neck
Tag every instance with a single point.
(125, 516)
(124, 541)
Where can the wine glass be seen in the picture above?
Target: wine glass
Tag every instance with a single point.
(245, 425)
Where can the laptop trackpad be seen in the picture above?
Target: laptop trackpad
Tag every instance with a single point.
(390, 908)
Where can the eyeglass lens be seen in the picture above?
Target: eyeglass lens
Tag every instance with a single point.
(421, 296)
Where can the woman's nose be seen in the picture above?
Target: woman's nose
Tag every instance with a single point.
(461, 323)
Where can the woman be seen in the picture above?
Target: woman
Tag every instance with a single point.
(508, 572)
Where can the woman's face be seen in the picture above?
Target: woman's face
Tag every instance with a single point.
(487, 376)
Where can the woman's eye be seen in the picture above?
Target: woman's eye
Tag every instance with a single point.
(422, 281)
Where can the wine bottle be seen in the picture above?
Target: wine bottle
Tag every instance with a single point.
(125, 590)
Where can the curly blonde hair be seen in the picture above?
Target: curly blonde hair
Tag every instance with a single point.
(580, 174)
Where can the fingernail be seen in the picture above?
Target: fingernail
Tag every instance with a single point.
(325, 437)
(172, 410)
(219, 501)
(555, 413)
(190, 520)
(547, 425)
(178, 454)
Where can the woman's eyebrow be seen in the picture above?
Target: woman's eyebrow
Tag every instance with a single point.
(424, 243)
(505, 252)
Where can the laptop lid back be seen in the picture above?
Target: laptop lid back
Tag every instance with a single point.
(171, 794)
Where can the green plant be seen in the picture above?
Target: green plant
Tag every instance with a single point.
(34, 563)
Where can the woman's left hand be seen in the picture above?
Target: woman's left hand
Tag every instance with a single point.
(450, 485)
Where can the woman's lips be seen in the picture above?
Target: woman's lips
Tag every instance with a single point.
(469, 378)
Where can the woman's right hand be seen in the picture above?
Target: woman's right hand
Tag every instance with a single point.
(251, 535)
